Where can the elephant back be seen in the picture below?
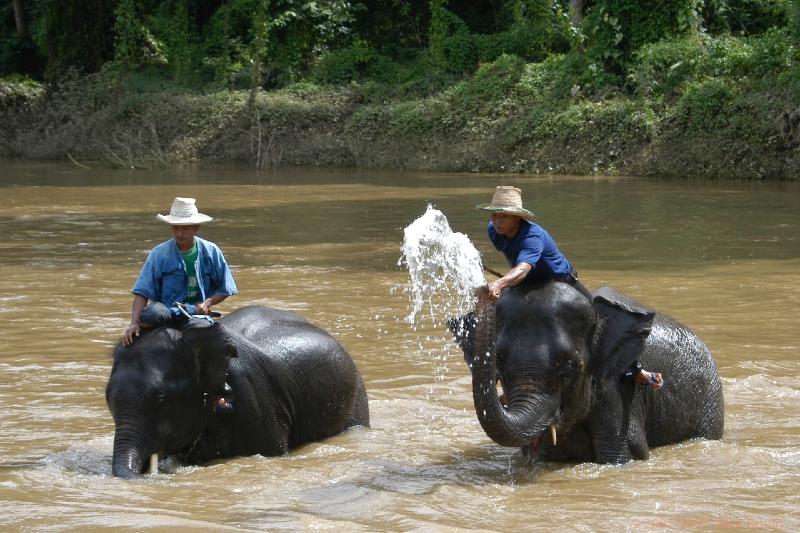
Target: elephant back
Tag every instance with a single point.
(297, 378)
(691, 402)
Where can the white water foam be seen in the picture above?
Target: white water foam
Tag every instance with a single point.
(444, 268)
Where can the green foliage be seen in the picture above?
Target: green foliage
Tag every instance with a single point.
(260, 46)
(746, 17)
(438, 31)
(580, 74)
(526, 39)
(665, 68)
(77, 35)
(128, 31)
(347, 64)
(793, 14)
(618, 119)
(452, 46)
(492, 81)
(615, 29)
(705, 106)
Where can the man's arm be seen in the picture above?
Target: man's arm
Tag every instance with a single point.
(133, 330)
(204, 307)
(514, 277)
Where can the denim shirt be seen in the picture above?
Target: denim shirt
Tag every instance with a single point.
(532, 245)
(164, 279)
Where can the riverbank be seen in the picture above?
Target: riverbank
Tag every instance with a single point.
(707, 120)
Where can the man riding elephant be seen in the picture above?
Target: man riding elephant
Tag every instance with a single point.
(533, 256)
(182, 278)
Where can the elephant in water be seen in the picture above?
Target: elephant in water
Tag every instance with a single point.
(292, 383)
(560, 358)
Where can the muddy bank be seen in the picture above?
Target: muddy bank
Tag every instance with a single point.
(307, 125)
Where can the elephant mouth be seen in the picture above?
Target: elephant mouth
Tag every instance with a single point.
(534, 447)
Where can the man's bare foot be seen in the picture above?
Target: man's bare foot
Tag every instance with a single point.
(653, 379)
(221, 406)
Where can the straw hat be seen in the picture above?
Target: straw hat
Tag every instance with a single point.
(507, 199)
(184, 213)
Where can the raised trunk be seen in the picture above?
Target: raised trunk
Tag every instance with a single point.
(129, 455)
(526, 418)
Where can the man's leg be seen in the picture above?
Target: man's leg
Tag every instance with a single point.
(155, 315)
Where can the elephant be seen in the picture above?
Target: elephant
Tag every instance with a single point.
(292, 383)
(559, 357)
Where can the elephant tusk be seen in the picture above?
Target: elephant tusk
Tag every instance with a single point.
(553, 434)
(153, 464)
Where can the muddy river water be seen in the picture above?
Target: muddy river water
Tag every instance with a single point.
(723, 258)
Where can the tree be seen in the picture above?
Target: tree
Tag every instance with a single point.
(77, 35)
(576, 8)
(20, 19)
(615, 29)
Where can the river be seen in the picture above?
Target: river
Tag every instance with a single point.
(723, 258)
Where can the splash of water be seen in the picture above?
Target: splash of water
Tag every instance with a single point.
(444, 268)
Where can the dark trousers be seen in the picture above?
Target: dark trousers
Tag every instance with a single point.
(157, 314)
(572, 279)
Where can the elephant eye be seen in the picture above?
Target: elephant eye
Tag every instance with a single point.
(157, 395)
(566, 368)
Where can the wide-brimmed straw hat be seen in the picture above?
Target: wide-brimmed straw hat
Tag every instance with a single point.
(508, 200)
(184, 213)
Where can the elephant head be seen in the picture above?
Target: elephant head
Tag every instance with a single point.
(157, 388)
(550, 347)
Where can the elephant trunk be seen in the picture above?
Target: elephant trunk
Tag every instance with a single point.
(528, 415)
(130, 454)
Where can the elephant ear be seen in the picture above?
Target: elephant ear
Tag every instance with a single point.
(213, 348)
(624, 325)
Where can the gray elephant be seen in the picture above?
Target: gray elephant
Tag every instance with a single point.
(291, 382)
(560, 357)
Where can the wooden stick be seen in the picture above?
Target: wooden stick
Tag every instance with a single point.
(493, 272)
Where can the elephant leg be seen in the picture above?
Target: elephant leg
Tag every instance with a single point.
(616, 427)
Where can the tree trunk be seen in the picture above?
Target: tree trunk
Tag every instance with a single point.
(576, 8)
(20, 19)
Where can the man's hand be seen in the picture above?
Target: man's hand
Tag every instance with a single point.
(203, 308)
(133, 331)
(495, 288)
(514, 277)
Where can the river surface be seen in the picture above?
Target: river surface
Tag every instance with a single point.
(723, 258)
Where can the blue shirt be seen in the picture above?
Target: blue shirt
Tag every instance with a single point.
(532, 245)
(164, 279)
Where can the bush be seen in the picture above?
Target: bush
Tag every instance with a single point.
(664, 68)
(530, 41)
(491, 82)
(345, 65)
(661, 69)
(705, 106)
(617, 28)
(580, 72)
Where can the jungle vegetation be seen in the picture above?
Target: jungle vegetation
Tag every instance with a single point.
(663, 88)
